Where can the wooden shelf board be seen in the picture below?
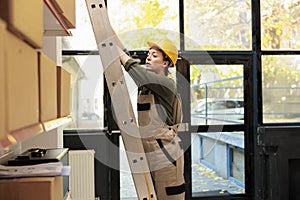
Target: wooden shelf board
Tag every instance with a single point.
(55, 23)
(22, 134)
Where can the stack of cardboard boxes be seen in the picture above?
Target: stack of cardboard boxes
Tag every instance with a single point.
(33, 87)
(34, 90)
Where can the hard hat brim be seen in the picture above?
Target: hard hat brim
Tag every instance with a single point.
(152, 44)
(170, 52)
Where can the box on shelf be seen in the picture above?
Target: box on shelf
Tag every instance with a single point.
(63, 92)
(48, 88)
(25, 19)
(21, 83)
(33, 188)
(68, 11)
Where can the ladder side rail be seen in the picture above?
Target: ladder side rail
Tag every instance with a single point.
(121, 99)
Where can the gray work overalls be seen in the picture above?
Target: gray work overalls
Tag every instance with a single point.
(163, 150)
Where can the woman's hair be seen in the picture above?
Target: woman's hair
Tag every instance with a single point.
(166, 58)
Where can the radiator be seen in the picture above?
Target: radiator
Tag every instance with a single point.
(82, 179)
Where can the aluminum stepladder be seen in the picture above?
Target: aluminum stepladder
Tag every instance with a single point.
(121, 99)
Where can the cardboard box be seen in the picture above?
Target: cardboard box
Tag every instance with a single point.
(21, 83)
(25, 19)
(35, 188)
(63, 92)
(68, 9)
(48, 88)
(2, 82)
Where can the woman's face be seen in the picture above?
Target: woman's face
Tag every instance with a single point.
(155, 61)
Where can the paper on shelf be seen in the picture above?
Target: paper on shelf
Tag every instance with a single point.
(46, 169)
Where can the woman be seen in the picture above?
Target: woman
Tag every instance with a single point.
(159, 115)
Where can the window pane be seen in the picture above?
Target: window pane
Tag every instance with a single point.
(218, 163)
(280, 24)
(217, 94)
(87, 95)
(218, 25)
(281, 88)
(141, 21)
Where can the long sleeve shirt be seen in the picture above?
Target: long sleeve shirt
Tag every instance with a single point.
(162, 87)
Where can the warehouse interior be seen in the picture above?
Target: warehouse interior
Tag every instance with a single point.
(238, 75)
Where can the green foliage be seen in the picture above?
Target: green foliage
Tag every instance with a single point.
(280, 22)
(151, 14)
(146, 20)
(218, 25)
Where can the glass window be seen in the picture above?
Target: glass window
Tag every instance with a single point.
(216, 168)
(87, 91)
(217, 25)
(217, 94)
(280, 25)
(281, 88)
(142, 21)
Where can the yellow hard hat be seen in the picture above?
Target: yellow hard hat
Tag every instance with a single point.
(167, 47)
